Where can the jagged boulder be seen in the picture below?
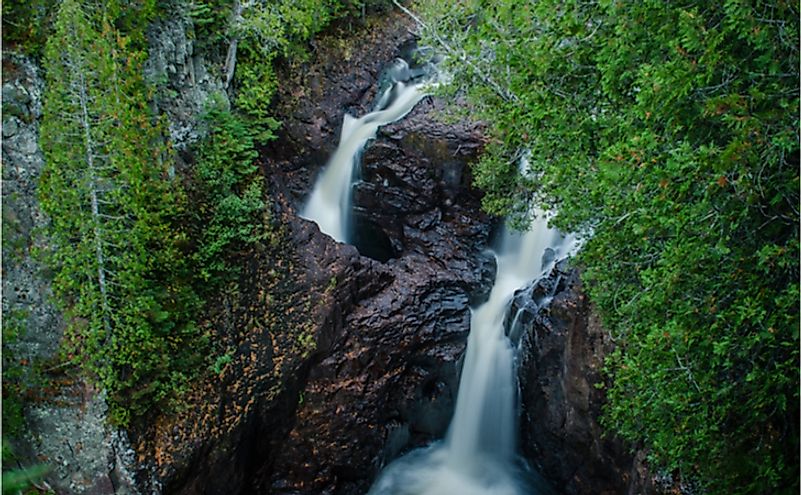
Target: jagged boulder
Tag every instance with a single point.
(562, 353)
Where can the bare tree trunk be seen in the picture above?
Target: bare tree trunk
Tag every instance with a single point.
(230, 57)
(90, 163)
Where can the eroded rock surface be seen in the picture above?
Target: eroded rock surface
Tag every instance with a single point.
(563, 347)
(339, 361)
(183, 76)
(388, 379)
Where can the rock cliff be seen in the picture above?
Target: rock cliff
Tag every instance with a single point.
(364, 360)
(66, 418)
(561, 361)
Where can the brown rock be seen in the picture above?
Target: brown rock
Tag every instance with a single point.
(562, 352)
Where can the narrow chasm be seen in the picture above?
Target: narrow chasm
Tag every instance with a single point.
(386, 379)
(367, 365)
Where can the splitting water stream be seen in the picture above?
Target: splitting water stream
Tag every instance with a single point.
(479, 455)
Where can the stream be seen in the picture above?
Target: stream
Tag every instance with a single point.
(479, 455)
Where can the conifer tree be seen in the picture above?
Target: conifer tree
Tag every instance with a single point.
(118, 270)
(668, 133)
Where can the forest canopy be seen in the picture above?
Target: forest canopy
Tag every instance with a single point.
(667, 134)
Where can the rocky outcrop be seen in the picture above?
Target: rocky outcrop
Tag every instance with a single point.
(66, 425)
(184, 78)
(338, 361)
(414, 181)
(387, 376)
(562, 351)
(23, 288)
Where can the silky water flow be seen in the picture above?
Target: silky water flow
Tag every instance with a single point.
(330, 202)
(479, 454)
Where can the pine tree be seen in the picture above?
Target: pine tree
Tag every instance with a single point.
(668, 133)
(119, 272)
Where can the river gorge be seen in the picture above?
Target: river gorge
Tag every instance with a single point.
(394, 338)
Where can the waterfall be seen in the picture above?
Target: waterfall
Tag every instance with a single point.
(330, 202)
(479, 454)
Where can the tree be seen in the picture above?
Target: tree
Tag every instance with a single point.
(227, 194)
(668, 134)
(119, 271)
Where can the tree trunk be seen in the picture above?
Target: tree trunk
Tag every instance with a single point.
(230, 57)
(90, 163)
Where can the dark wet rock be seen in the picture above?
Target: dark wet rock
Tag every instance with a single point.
(363, 360)
(388, 378)
(562, 351)
(387, 383)
(415, 178)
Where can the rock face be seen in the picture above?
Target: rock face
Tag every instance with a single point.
(414, 182)
(23, 287)
(339, 361)
(184, 79)
(388, 372)
(391, 350)
(563, 347)
(66, 427)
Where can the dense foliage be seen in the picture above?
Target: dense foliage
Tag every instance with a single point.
(258, 34)
(15, 381)
(227, 195)
(120, 272)
(668, 133)
(133, 264)
(19, 480)
(26, 24)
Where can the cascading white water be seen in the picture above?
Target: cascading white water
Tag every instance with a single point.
(330, 202)
(478, 456)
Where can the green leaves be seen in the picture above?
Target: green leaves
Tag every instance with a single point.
(19, 479)
(128, 253)
(266, 32)
(666, 131)
(120, 273)
(227, 194)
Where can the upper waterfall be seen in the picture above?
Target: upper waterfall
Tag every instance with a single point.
(330, 202)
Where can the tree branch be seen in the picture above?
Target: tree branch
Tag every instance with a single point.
(461, 55)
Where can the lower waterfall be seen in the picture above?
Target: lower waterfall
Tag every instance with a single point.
(479, 453)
